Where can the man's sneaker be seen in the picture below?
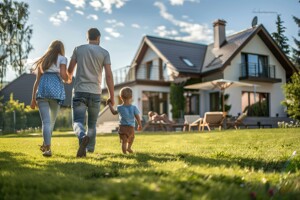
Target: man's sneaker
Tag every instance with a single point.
(47, 153)
(82, 148)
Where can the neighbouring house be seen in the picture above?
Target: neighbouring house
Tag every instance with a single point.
(249, 56)
(21, 89)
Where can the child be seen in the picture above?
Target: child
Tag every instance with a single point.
(48, 89)
(127, 115)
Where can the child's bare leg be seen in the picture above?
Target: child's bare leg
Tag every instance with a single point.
(124, 146)
(129, 147)
(130, 142)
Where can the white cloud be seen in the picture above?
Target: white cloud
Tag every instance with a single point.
(115, 23)
(192, 31)
(107, 5)
(51, 1)
(77, 3)
(40, 11)
(163, 32)
(176, 2)
(79, 12)
(94, 17)
(181, 2)
(57, 18)
(107, 38)
(112, 32)
(68, 8)
(135, 26)
(96, 4)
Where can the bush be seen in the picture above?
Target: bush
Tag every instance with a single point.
(64, 119)
(14, 115)
(33, 119)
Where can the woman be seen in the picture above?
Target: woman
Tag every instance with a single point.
(48, 89)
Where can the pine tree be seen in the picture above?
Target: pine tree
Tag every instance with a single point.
(296, 50)
(279, 36)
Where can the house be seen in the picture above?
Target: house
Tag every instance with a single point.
(21, 88)
(249, 56)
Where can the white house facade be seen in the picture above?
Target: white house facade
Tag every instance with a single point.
(250, 56)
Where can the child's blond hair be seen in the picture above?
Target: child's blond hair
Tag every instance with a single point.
(126, 93)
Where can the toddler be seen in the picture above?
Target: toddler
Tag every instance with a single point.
(127, 115)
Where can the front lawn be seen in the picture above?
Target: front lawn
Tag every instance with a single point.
(242, 164)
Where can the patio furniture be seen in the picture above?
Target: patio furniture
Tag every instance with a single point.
(238, 122)
(191, 121)
(212, 119)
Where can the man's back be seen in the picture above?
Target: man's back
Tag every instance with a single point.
(90, 60)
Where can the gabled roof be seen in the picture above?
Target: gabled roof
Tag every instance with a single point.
(21, 88)
(216, 58)
(173, 52)
(206, 58)
(219, 58)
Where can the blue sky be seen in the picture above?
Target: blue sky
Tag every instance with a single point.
(123, 23)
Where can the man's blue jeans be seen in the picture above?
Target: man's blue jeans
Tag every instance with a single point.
(83, 103)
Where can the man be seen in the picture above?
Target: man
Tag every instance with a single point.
(90, 59)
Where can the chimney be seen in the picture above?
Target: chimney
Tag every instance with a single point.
(219, 33)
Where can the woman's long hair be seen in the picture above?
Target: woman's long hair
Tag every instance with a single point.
(50, 57)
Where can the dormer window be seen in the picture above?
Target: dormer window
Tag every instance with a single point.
(187, 62)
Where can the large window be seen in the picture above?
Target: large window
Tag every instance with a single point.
(255, 104)
(155, 101)
(191, 103)
(254, 65)
(214, 101)
(149, 66)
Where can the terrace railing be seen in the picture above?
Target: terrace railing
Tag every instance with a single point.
(255, 70)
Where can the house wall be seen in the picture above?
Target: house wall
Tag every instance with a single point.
(232, 72)
(137, 95)
(150, 55)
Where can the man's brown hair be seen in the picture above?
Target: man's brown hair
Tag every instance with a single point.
(93, 33)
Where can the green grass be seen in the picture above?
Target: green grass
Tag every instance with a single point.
(243, 164)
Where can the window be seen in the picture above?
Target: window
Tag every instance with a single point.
(214, 99)
(154, 101)
(255, 104)
(187, 62)
(254, 65)
(191, 103)
(149, 67)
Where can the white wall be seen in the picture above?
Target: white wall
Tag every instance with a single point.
(139, 89)
(233, 72)
(150, 55)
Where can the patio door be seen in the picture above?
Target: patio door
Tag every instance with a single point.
(154, 101)
(214, 101)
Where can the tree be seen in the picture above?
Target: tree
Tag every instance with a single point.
(296, 51)
(279, 36)
(292, 95)
(177, 100)
(15, 36)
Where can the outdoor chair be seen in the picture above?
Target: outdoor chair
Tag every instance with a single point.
(212, 119)
(191, 121)
(238, 122)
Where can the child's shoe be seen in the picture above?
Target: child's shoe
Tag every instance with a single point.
(129, 150)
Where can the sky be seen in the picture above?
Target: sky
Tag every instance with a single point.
(124, 23)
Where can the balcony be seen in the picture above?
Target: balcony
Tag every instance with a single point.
(258, 72)
(145, 73)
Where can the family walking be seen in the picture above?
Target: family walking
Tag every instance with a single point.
(48, 94)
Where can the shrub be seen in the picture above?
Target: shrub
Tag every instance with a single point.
(14, 115)
(64, 119)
